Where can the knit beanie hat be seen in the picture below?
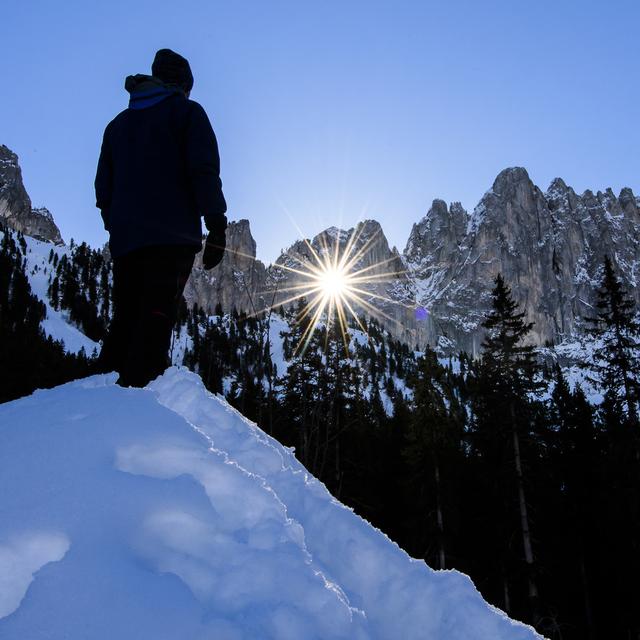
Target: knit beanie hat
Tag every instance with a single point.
(172, 68)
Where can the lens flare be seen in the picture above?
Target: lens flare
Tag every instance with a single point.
(334, 283)
(334, 287)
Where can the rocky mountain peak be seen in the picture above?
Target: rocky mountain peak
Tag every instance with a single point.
(241, 246)
(42, 226)
(369, 227)
(15, 204)
(366, 241)
(370, 236)
(438, 208)
(440, 231)
(239, 281)
(557, 184)
(510, 178)
(459, 219)
(630, 204)
(512, 187)
(558, 191)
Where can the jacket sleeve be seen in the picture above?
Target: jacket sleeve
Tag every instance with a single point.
(104, 180)
(203, 166)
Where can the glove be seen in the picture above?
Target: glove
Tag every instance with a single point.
(214, 249)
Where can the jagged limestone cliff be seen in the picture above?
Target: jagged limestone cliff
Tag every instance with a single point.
(548, 246)
(239, 281)
(15, 204)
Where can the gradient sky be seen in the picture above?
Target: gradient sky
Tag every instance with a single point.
(328, 112)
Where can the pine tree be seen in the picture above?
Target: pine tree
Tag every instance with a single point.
(508, 375)
(503, 350)
(616, 359)
(54, 293)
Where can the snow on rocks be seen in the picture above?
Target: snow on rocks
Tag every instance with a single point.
(163, 513)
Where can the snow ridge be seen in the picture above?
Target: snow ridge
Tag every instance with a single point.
(190, 522)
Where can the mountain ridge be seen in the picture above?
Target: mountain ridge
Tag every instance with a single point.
(549, 246)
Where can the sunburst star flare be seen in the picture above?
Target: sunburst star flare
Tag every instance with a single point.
(333, 285)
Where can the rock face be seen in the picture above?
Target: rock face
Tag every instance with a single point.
(239, 281)
(548, 246)
(15, 204)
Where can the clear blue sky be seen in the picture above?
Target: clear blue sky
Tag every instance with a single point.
(331, 111)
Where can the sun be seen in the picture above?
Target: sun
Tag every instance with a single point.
(334, 283)
(333, 286)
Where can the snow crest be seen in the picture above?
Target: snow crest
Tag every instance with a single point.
(188, 521)
(20, 557)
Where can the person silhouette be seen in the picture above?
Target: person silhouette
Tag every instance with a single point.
(158, 174)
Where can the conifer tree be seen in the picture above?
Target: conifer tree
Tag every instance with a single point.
(504, 353)
(616, 359)
(508, 373)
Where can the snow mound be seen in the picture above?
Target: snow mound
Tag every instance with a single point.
(20, 557)
(163, 513)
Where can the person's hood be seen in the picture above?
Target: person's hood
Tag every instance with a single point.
(147, 90)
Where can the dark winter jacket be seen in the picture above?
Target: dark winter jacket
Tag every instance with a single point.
(159, 171)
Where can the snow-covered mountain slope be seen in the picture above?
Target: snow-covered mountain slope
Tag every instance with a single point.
(38, 268)
(163, 513)
(57, 324)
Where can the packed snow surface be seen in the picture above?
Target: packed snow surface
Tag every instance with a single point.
(162, 513)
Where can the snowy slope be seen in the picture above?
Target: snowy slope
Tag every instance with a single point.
(39, 273)
(163, 513)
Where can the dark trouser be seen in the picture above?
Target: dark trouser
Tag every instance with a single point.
(147, 288)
